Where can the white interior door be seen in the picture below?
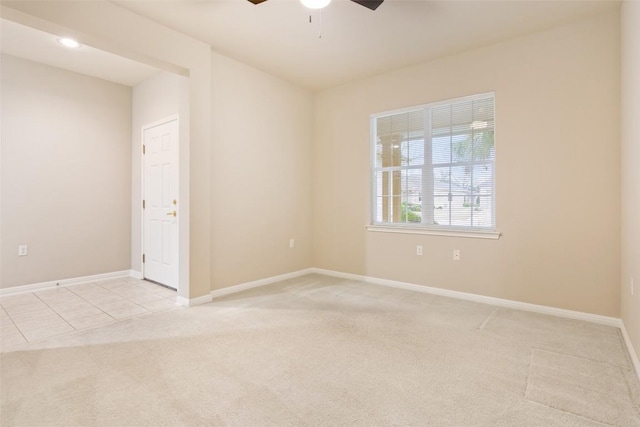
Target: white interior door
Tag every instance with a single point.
(160, 203)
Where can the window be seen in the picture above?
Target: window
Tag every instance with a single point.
(433, 166)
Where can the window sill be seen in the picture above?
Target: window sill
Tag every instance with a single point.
(475, 234)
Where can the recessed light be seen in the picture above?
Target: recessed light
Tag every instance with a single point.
(69, 42)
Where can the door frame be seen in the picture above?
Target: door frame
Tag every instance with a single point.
(160, 122)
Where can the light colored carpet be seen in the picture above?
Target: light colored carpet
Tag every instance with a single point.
(321, 351)
(584, 387)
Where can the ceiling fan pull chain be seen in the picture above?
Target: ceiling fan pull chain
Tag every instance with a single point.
(319, 23)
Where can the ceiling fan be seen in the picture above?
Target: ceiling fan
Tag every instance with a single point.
(319, 4)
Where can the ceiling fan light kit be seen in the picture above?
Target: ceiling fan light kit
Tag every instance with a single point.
(315, 4)
(319, 4)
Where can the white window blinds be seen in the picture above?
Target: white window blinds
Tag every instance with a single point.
(433, 165)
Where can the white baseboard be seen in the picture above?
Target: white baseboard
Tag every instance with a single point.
(136, 274)
(186, 302)
(262, 282)
(64, 282)
(553, 311)
(632, 353)
(578, 315)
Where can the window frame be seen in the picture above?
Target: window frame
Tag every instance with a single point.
(428, 166)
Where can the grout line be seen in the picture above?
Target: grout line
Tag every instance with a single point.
(92, 304)
(74, 329)
(14, 324)
(110, 281)
(52, 309)
(122, 299)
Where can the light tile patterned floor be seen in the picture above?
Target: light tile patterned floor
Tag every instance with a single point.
(34, 316)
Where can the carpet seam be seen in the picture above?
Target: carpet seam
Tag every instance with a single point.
(568, 412)
(488, 318)
(630, 394)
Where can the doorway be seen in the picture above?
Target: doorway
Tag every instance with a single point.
(160, 202)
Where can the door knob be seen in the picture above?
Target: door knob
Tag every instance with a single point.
(173, 214)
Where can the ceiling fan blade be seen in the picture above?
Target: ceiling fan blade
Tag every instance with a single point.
(370, 4)
(257, 1)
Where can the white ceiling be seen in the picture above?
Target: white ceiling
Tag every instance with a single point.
(276, 36)
(39, 46)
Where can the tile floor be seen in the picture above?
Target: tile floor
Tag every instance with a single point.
(39, 315)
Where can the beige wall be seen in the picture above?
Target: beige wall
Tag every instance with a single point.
(260, 172)
(146, 41)
(557, 185)
(66, 174)
(630, 304)
(557, 92)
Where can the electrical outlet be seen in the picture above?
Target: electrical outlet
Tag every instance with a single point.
(456, 254)
(292, 243)
(22, 250)
(419, 250)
